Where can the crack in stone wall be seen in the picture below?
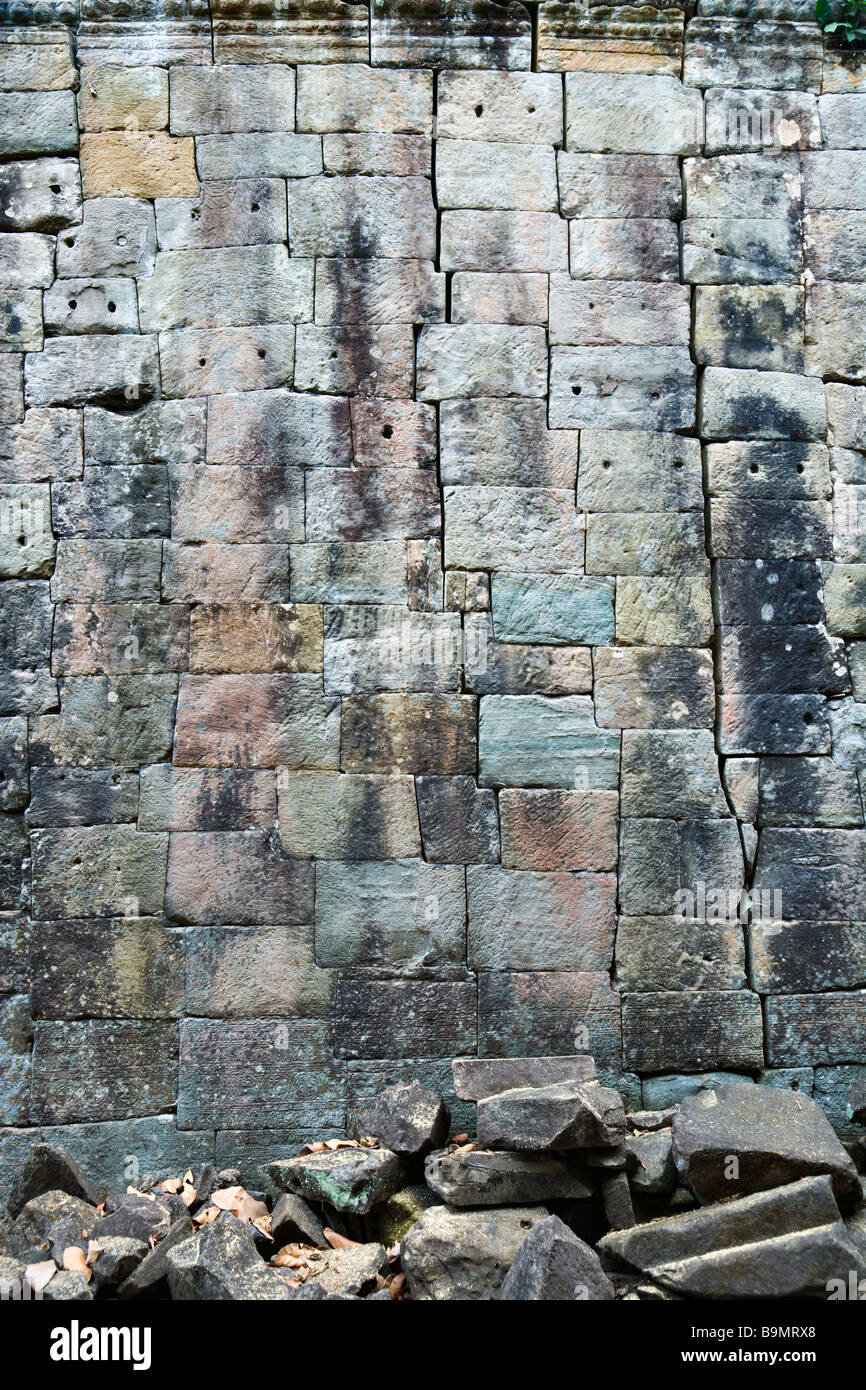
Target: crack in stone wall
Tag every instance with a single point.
(432, 462)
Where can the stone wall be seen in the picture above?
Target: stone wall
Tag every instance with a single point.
(432, 468)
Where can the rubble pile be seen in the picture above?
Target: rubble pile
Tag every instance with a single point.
(738, 1191)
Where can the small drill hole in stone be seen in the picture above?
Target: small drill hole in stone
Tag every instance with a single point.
(262, 353)
(576, 390)
(753, 468)
(55, 187)
(112, 307)
(479, 110)
(202, 361)
(387, 432)
(73, 303)
(605, 463)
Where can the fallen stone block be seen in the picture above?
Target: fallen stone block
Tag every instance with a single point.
(349, 1179)
(554, 1265)
(408, 1120)
(568, 1115)
(221, 1262)
(488, 1179)
(451, 1255)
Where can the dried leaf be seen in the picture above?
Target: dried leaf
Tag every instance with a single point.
(38, 1275)
(94, 1250)
(397, 1285)
(188, 1194)
(339, 1242)
(393, 1251)
(73, 1259)
(239, 1202)
(172, 1185)
(205, 1217)
(188, 1177)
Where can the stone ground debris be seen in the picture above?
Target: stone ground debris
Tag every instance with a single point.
(434, 558)
(720, 1197)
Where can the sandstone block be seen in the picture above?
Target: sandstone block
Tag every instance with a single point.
(459, 823)
(436, 1018)
(102, 1069)
(227, 212)
(395, 915)
(494, 441)
(635, 470)
(767, 405)
(378, 291)
(539, 920)
(220, 287)
(103, 721)
(622, 388)
(131, 877)
(116, 237)
(392, 217)
(418, 733)
(540, 1013)
(671, 773)
(711, 1028)
(588, 311)
(259, 426)
(530, 740)
(332, 815)
(256, 721)
(654, 687)
(238, 637)
(631, 114)
(228, 502)
(265, 154)
(739, 250)
(619, 185)
(369, 153)
(327, 360)
(97, 638)
(185, 798)
(37, 122)
(352, 96)
(137, 164)
(234, 877)
(568, 609)
(528, 242)
(521, 668)
(112, 96)
(75, 972)
(97, 369)
(340, 572)
(783, 724)
(483, 174)
(480, 297)
(656, 611)
(486, 527)
(752, 120)
(390, 648)
(231, 97)
(39, 194)
(514, 106)
(367, 504)
(559, 830)
(91, 306)
(734, 53)
(649, 543)
(236, 972)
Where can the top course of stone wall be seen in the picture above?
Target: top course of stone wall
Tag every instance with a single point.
(432, 472)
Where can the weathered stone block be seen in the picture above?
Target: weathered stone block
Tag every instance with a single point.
(783, 724)
(130, 880)
(834, 179)
(764, 469)
(567, 609)
(846, 409)
(819, 874)
(740, 326)
(108, 720)
(39, 194)
(256, 721)
(231, 98)
(98, 369)
(331, 815)
(540, 920)
(671, 773)
(238, 637)
(110, 638)
(116, 237)
(484, 359)
(234, 877)
(130, 967)
(91, 306)
(398, 916)
(517, 668)
(654, 687)
(179, 798)
(114, 502)
(754, 120)
(729, 52)
(36, 60)
(485, 527)
(557, 830)
(617, 185)
(544, 1013)
(483, 174)
(435, 1018)
(842, 120)
(617, 312)
(327, 360)
(665, 953)
(835, 338)
(767, 405)
(206, 361)
(209, 570)
(389, 648)
(655, 611)
(622, 39)
(649, 871)
(372, 572)
(14, 783)
(266, 154)
(448, 35)
(480, 297)
(352, 96)
(26, 540)
(378, 291)
(102, 1069)
(83, 796)
(636, 470)
(771, 659)
(645, 543)
(13, 859)
(459, 823)
(227, 212)
(393, 434)
(826, 1028)
(255, 1073)
(843, 598)
(835, 243)
(258, 426)
(384, 217)
(530, 740)
(692, 1030)
(769, 529)
(622, 388)
(740, 250)
(369, 153)
(45, 446)
(371, 503)
(112, 96)
(137, 164)
(227, 502)
(220, 287)
(236, 972)
(37, 122)
(529, 242)
(493, 441)
(510, 106)
(735, 185)
(633, 114)
(801, 957)
(409, 733)
(632, 248)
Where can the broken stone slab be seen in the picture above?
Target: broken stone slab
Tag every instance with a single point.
(651, 1168)
(220, 1262)
(567, 1115)
(136, 1216)
(47, 1224)
(616, 1201)
(740, 1139)
(353, 1180)
(554, 1266)
(154, 1267)
(408, 1120)
(482, 1178)
(350, 1273)
(451, 1255)
(49, 1168)
(781, 1244)
(119, 1257)
(477, 1078)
